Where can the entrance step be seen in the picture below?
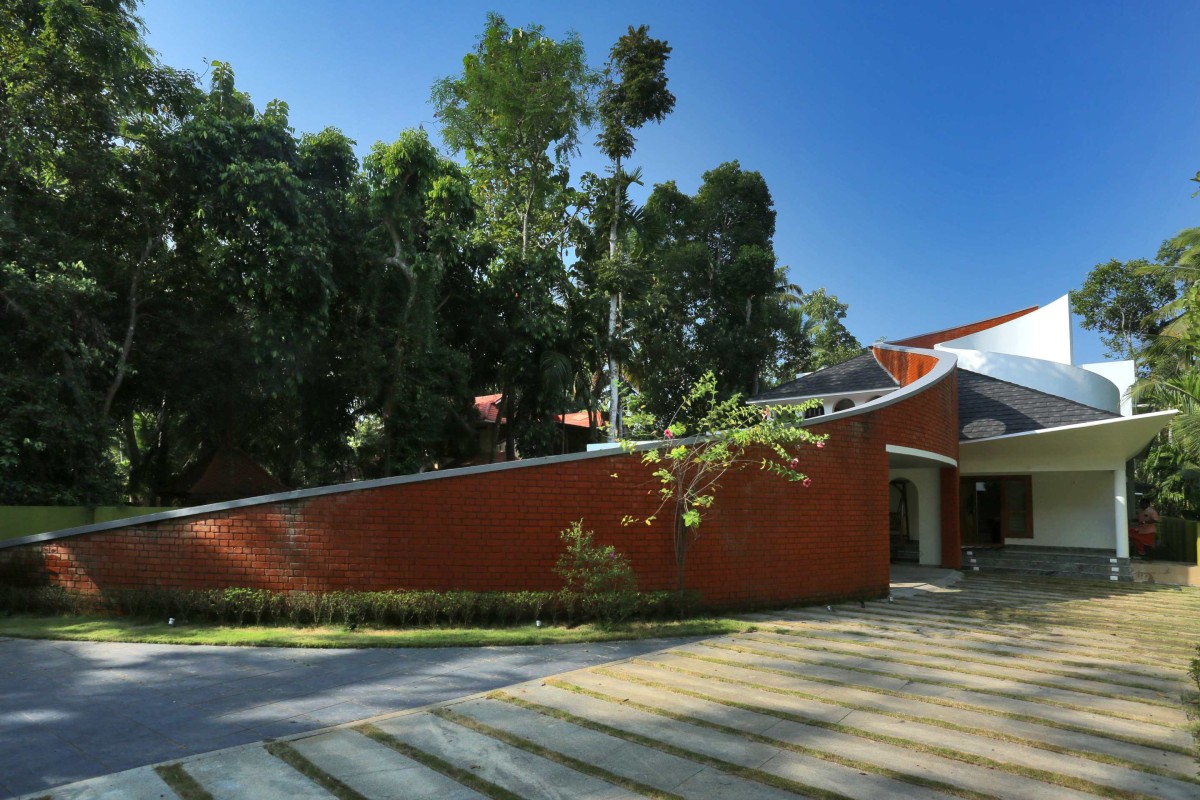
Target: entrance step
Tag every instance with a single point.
(1058, 562)
(906, 552)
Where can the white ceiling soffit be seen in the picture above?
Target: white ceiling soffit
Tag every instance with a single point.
(1086, 446)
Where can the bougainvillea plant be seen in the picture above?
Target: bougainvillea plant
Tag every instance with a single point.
(690, 461)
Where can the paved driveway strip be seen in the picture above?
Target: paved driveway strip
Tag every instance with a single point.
(74, 710)
(992, 688)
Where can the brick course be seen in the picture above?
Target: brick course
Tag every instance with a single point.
(765, 541)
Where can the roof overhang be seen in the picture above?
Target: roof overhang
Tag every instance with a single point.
(901, 457)
(1087, 446)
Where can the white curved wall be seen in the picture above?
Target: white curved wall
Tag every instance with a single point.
(1043, 334)
(1064, 380)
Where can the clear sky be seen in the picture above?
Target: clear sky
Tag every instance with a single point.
(932, 163)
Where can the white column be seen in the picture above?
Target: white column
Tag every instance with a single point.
(1121, 511)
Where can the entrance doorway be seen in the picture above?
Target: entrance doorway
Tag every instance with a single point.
(995, 508)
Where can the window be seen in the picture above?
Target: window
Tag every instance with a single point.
(815, 411)
(993, 509)
(842, 405)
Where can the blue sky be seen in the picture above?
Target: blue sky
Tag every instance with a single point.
(932, 163)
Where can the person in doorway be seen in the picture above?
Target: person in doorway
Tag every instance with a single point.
(1145, 529)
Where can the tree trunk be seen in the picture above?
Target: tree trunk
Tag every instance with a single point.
(614, 301)
(127, 344)
(681, 543)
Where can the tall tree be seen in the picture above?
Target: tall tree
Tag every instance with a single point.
(516, 112)
(81, 226)
(1119, 299)
(634, 93)
(709, 299)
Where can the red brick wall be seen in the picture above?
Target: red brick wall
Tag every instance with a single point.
(928, 340)
(904, 366)
(766, 540)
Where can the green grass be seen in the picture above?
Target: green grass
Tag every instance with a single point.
(96, 629)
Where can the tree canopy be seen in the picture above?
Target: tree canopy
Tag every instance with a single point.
(181, 271)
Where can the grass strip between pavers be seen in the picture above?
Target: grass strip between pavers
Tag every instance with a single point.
(728, 767)
(1144, 634)
(909, 662)
(979, 624)
(999, 658)
(553, 755)
(1044, 776)
(985, 733)
(970, 655)
(937, 701)
(1049, 641)
(296, 760)
(181, 783)
(458, 774)
(952, 685)
(812, 752)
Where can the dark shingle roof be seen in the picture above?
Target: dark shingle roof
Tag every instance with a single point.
(859, 374)
(990, 407)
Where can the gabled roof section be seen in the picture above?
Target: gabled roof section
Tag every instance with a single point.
(989, 407)
(859, 374)
(927, 340)
(488, 407)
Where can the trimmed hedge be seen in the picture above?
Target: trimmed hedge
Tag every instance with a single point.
(397, 608)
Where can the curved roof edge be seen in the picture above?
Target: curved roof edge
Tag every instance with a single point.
(941, 370)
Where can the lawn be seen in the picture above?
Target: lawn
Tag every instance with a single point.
(95, 629)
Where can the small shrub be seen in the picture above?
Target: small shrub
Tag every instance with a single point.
(598, 581)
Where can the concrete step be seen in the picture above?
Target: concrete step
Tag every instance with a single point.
(1048, 562)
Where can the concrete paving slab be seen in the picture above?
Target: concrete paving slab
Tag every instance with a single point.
(251, 772)
(807, 770)
(378, 772)
(653, 767)
(1055, 737)
(142, 783)
(935, 658)
(518, 771)
(1104, 705)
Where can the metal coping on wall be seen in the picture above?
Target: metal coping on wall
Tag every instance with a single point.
(941, 370)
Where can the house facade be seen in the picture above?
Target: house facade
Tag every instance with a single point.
(974, 443)
(1044, 445)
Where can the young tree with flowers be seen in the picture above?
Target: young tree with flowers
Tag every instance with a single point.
(690, 463)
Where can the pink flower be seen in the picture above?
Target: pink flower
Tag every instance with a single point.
(766, 412)
(820, 445)
(807, 482)
(667, 433)
(795, 463)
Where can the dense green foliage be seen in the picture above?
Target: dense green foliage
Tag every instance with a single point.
(180, 270)
(397, 609)
(1150, 311)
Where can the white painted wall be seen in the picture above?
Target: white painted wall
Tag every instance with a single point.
(1074, 383)
(1122, 374)
(929, 510)
(1044, 334)
(1072, 509)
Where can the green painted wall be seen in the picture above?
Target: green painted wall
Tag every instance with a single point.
(16, 521)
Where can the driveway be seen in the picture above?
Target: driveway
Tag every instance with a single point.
(74, 710)
(992, 688)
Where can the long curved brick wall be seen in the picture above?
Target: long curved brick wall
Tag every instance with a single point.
(767, 541)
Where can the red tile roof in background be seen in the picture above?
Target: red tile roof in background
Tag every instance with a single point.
(488, 408)
(579, 419)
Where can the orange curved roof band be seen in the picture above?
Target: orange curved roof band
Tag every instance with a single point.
(928, 340)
